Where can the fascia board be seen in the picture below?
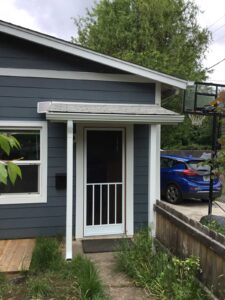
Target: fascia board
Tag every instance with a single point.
(137, 119)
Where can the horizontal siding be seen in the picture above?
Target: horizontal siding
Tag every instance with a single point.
(23, 94)
(31, 232)
(141, 136)
(18, 53)
(18, 101)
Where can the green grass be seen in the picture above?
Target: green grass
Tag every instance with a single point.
(46, 255)
(39, 287)
(51, 277)
(162, 275)
(87, 277)
(3, 285)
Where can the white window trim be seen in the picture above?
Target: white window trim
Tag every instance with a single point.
(80, 180)
(25, 198)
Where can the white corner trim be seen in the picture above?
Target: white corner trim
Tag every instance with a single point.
(130, 180)
(76, 50)
(74, 75)
(153, 173)
(40, 197)
(79, 223)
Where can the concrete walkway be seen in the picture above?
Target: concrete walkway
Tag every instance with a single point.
(118, 285)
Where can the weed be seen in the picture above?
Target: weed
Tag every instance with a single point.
(3, 285)
(214, 225)
(38, 287)
(51, 277)
(46, 255)
(160, 274)
(83, 270)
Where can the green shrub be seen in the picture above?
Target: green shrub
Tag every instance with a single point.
(160, 274)
(89, 283)
(46, 255)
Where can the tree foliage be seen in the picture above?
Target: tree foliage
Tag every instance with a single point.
(8, 169)
(162, 35)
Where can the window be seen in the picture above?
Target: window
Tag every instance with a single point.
(32, 159)
(166, 163)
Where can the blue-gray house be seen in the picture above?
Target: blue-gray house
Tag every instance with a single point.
(89, 127)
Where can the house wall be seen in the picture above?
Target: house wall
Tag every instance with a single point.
(18, 101)
(141, 136)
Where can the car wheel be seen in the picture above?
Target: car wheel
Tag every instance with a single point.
(173, 194)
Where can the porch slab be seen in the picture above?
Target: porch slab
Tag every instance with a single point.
(15, 255)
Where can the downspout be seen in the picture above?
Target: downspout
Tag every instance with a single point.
(69, 193)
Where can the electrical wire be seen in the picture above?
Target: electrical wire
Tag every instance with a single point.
(220, 38)
(216, 64)
(218, 28)
(216, 21)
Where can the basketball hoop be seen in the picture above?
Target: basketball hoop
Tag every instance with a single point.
(196, 120)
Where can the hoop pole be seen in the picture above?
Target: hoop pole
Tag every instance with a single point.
(214, 150)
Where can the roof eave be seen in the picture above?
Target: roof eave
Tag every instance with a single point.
(73, 49)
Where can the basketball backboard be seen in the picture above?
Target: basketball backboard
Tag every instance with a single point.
(200, 95)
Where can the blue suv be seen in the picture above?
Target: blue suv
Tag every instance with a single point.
(186, 178)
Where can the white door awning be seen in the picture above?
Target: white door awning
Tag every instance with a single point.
(101, 112)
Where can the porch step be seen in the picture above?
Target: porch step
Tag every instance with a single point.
(15, 255)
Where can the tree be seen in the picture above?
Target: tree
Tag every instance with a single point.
(163, 35)
(8, 169)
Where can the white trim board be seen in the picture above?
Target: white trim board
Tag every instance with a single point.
(74, 75)
(70, 48)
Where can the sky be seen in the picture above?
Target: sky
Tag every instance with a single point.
(54, 17)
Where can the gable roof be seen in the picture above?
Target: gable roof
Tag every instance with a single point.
(76, 50)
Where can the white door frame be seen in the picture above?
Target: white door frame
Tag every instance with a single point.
(80, 177)
(104, 229)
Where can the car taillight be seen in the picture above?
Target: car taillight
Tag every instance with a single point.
(189, 172)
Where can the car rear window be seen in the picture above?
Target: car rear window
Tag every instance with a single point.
(198, 166)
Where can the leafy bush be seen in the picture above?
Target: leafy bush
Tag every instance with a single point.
(46, 255)
(160, 274)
